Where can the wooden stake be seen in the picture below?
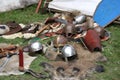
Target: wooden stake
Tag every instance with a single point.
(38, 6)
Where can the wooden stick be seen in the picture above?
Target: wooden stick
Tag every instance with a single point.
(42, 29)
(38, 6)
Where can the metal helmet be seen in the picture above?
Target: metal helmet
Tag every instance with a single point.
(69, 30)
(35, 46)
(79, 19)
(68, 51)
(60, 40)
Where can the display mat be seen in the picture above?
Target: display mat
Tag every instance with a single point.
(13, 64)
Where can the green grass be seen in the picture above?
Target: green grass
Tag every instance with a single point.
(112, 52)
(25, 15)
(111, 47)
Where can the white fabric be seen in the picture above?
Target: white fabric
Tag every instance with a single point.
(19, 35)
(84, 6)
(7, 5)
(13, 64)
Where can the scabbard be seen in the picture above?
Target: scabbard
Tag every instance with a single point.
(21, 60)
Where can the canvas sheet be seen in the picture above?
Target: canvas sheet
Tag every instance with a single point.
(13, 64)
(86, 7)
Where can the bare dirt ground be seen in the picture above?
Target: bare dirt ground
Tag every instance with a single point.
(81, 67)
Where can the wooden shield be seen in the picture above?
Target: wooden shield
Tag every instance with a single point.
(106, 12)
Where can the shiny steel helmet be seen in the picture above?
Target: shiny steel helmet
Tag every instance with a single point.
(35, 46)
(68, 51)
(79, 19)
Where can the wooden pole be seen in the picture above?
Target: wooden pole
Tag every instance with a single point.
(42, 29)
(38, 6)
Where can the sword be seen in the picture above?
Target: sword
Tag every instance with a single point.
(6, 61)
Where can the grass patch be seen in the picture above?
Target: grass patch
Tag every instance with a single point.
(111, 51)
(25, 15)
(28, 15)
